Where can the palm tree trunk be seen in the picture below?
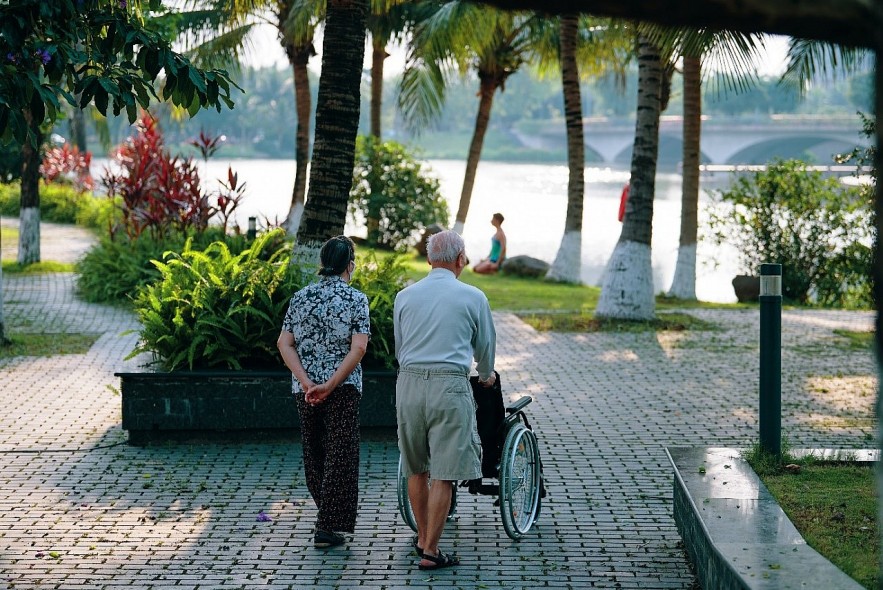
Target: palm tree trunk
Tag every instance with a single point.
(683, 284)
(378, 56)
(299, 57)
(627, 288)
(489, 86)
(29, 214)
(568, 260)
(337, 122)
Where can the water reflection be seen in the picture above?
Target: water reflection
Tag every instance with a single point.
(533, 198)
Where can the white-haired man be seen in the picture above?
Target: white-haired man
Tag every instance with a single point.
(441, 324)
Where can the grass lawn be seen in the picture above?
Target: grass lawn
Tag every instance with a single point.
(46, 344)
(9, 242)
(834, 506)
(536, 297)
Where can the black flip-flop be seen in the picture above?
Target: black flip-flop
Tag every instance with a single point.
(442, 560)
(418, 551)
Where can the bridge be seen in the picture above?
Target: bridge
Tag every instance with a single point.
(725, 141)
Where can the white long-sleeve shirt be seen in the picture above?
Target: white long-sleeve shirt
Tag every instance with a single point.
(441, 320)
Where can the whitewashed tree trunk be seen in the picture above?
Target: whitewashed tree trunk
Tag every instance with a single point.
(29, 236)
(568, 260)
(683, 285)
(306, 257)
(458, 227)
(627, 292)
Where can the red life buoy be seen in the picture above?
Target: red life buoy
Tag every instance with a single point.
(622, 199)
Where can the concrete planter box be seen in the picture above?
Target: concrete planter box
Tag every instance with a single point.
(225, 405)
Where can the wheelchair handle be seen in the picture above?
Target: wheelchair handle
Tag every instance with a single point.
(519, 405)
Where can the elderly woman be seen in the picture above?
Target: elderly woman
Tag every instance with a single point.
(323, 338)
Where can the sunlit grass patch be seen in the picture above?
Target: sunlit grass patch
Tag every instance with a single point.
(46, 266)
(832, 504)
(855, 340)
(46, 344)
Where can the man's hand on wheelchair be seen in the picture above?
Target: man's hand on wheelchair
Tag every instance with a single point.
(489, 382)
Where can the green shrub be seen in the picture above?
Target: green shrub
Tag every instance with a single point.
(60, 203)
(380, 280)
(113, 270)
(212, 308)
(818, 230)
(216, 309)
(394, 194)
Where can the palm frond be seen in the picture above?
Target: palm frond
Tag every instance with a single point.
(299, 25)
(421, 93)
(223, 50)
(809, 59)
(728, 57)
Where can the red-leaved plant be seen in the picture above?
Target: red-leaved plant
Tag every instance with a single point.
(160, 193)
(68, 164)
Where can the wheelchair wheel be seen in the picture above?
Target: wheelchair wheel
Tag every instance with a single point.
(405, 502)
(520, 481)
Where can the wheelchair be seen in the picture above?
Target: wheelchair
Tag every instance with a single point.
(510, 454)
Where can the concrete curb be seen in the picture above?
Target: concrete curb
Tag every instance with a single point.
(734, 531)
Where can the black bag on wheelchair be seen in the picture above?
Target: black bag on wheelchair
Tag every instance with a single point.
(490, 415)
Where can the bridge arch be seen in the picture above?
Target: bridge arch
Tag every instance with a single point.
(671, 153)
(811, 149)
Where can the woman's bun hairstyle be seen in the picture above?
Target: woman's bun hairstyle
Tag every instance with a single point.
(335, 255)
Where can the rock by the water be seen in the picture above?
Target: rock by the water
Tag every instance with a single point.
(525, 266)
(747, 288)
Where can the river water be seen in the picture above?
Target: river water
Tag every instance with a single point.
(533, 199)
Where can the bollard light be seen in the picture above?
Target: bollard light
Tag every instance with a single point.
(771, 358)
(252, 228)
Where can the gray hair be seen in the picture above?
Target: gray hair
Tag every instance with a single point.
(444, 246)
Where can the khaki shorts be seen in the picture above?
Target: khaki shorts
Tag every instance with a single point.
(436, 423)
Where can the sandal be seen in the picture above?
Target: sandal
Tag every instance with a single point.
(418, 551)
(442, 560)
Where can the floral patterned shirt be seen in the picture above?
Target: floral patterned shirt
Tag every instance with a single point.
(323, 317)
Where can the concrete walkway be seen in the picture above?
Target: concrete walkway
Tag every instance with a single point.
(79, 508)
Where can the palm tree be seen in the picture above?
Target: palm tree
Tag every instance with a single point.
(298, 26)
(737, 51)
(683, 284)
(337, 122)
(596, 47)
(389, 20)
(460, 36)
(627, 287)
(218, 31)
(568, 260)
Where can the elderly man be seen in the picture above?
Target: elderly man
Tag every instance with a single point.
(441, 325)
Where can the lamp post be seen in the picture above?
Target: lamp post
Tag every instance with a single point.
(771, 358)
(252, 228)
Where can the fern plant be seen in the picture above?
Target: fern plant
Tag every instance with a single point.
(215, 309)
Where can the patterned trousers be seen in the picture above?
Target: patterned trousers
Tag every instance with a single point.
(330, 434)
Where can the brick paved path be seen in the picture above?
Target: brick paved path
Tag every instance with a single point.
(81, 509)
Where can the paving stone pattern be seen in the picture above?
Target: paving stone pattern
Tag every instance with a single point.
(79, 508)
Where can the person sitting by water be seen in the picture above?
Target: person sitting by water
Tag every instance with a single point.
(492, 263)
